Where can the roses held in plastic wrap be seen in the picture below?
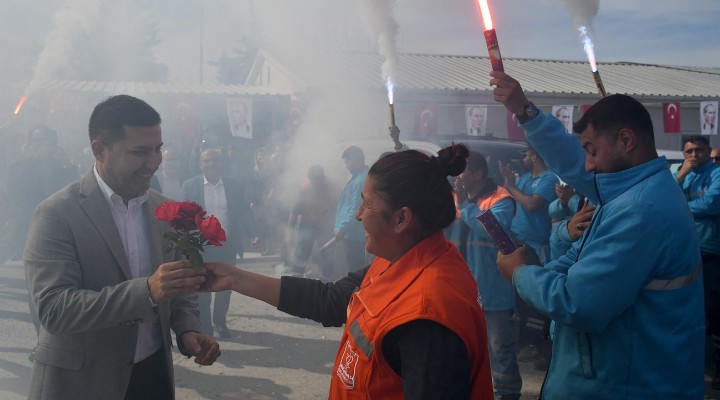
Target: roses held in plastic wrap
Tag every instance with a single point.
(193, 229)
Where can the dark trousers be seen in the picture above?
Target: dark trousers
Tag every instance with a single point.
(711, 283)
(221, 304)
(220, 309)
(307, 235)
(534, 327)
(150, 379)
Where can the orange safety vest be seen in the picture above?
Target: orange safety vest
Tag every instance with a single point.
(484, 203)
(487, 202)
(430, 282)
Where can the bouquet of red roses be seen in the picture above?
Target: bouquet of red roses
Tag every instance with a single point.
(193, 230)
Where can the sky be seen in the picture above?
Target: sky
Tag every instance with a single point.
(644, 31)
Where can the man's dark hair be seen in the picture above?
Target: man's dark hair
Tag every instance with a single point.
(109, 117)
(695, 139)
(355, 153)
(615, 112)
(477, 162)
(532, 151)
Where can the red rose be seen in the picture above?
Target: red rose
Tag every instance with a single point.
(192, 230)
(167, 211)
(211, 229)
(180, 215)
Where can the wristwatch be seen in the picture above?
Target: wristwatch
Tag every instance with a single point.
(528, 113)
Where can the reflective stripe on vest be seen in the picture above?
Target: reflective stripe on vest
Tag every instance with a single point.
(675, 283)
(360, 340)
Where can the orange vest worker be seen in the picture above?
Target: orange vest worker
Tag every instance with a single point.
(430, 282)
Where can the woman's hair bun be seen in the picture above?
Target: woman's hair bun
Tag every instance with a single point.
(452, 159)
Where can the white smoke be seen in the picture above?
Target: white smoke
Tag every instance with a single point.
(341, 110)
(73, 18)
(583, 12)
(379, 16)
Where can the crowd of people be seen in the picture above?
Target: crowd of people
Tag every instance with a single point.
(598, 293)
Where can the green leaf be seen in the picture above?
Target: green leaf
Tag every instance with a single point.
(171, 236)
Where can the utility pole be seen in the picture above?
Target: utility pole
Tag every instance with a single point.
(202, 50)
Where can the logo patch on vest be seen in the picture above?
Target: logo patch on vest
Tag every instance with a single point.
(347, 366)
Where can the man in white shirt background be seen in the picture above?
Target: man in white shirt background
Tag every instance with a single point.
(224, 198)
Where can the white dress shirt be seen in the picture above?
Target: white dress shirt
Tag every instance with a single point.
(133, 229)
(216, 201)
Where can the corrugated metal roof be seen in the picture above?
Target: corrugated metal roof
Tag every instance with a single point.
(470, 74)
(444, 73)
(158, 87)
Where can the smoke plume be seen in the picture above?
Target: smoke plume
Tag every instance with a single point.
(583, 12)
(75, 17)
(380, 18)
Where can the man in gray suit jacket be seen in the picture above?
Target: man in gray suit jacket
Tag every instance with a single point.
(223, 197)
(106, 294)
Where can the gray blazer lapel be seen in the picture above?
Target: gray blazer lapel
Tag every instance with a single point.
(95, 205)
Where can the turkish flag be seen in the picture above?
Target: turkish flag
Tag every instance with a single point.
(426, 122)
(671, 117)
(515, 131)
(586, 107)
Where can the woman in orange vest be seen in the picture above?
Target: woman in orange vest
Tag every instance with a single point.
(414, 323)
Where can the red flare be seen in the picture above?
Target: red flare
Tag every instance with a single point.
(19, 105)
(490, 36)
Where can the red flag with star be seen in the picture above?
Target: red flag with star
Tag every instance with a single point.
(671, 117)
(515, 131)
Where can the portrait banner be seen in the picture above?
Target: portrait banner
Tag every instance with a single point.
(708, 117)
(475, 119)
(295, 112)
(240, 117)
(565, 114)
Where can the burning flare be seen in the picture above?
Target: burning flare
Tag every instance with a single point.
(19, 105)
(589, 50)
(485, 13)
(588, 47)
(490, 36)
(390, 94)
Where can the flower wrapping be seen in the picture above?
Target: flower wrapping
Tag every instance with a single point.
(193, 229)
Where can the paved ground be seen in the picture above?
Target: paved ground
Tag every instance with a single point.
(270, 356)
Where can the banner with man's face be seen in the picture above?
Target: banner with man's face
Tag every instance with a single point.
(240, 117)
(565, 114)
(475, 119)
(708, 117)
